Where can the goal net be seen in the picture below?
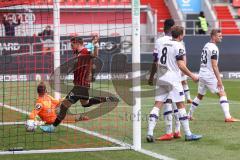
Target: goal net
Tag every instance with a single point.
(35, 46)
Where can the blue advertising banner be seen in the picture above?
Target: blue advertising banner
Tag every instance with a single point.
(189, 6)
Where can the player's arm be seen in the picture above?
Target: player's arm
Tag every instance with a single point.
(185, 70)
(153, 69)
(181, 62)
(95, 47)
(54, 101)
(35, 112)
(154, 65)
(216, 71)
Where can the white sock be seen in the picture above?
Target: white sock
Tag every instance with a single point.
(176, 118)
(152, 121)
(194, 105)
(168, 117)
(184, 121)
(186, 91)
(225, 106)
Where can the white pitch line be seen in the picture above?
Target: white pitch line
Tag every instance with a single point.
(64, 150)
(10, 123)
(124, 145)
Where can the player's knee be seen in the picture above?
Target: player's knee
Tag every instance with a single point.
(184, 82)
(199, 96)
(66, 103)
(85, 103)
(158, 104)
(180, 105)
(222, 93)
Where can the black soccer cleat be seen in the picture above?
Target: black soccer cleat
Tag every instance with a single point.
(112, 99)
(150, 139)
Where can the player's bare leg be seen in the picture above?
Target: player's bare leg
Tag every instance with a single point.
(186, 91)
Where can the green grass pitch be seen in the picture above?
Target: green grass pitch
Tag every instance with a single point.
(220, 139)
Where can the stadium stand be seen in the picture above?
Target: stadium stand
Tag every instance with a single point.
(85, 2)
(236, 3)
(162, 11)
(238, 13)
(226, 20)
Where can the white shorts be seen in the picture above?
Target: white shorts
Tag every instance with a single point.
(183, 77)
(205, 84)
(165, 90)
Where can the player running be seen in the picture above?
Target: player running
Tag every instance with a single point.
(171, 59)
(81, 82)
(209, 77)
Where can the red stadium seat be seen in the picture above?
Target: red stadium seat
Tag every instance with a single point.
(92, 2)
(125, 2)
(75, 2)
(69, 2)
(103, 2)
(62, 2)
(236, 3)
(114, 2)
(49, 2)
(36, 2)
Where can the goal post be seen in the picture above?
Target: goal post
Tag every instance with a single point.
(56, 41)
(136, 74)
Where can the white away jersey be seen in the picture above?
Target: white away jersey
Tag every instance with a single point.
(210, 51)
(168, 54)
(160, 41)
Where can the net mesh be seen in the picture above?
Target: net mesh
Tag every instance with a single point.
(27, 57)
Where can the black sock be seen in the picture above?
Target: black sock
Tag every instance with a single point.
(61, 115)
(56, 122)
(95, 100)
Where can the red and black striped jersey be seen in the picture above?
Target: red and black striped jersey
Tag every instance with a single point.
(83, 69)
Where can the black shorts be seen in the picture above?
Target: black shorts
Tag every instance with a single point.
(78, 92)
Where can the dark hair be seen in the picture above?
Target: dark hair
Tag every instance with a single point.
(214, 32)
(76, 40)
(177, 31)
(201, 14)
(168, 23)
(41, 88)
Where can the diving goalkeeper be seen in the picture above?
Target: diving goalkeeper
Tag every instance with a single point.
(45, 108)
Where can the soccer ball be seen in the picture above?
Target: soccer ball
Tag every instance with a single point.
(30, 126)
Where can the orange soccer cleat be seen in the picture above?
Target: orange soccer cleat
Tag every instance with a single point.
(231, 119)
(177, 135)
(165, 137)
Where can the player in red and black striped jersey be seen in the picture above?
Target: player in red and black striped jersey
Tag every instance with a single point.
(82, 78)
